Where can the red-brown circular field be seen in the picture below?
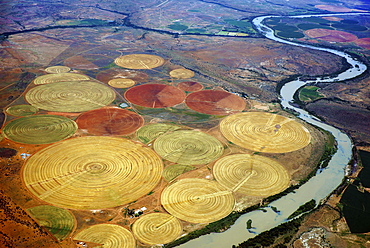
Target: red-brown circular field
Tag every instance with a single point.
(112, 73)
(363, 42)
(330, 35)
(190, 86)
(110, 121)
(155, 95)
(215, 102)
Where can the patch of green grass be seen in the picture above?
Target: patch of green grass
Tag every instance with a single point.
(177, 26)
(309, 93)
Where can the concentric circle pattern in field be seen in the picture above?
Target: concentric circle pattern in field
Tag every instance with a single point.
(108, 235)
(121, 82)
(92, 172)
(251, 174)
(181, 73)
(40, 129)
(265, 132)
(58, 221)
(190, 86)
(188, 147)
(157, 228)
(150, 132)
(197, 200)
(120, 73)
(215, 102)
(57, 69)
(21, 110)
(155, 95)
(70, 96)
(110, 121)
(59, 77)
(175, 170)
(139, 61)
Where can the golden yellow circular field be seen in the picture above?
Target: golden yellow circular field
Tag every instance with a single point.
(265, 132)
(175, 170)
(121, 82)
(40, 129)
(139, 61)
(150, 132)
(197, 200)
(92, 172)
(59, 77)
(157, 228)
(181, 73)
(108, 236)
(70, 96)
(57, 69)
(188, 147)
(251, 174)
(21, 110)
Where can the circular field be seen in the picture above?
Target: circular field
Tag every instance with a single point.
(108, 235)
(70, 96)
(110, 121)
(157, 228)
(58, 221)
(39, 129)
(150, 132)
(265, 132)
(175, 170)
(57, 69)
(215, 102)
(330, 35)
(59, 77)
(251, 174)
(139, 61)
(188, 147)
(21, 110)
(181, 73)
(155, 95)
(92, 172)
(197, 200)
(190, 86)
(121, 82)
(118, 73)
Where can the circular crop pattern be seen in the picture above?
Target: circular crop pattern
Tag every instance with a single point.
(58, 221)
(70, 96)
(181, 73)
(60, 77)
(121, 82)
(150, 132)
(251, 174)
(108, 236)
(215, 102)
(40, 129)
(119, 73)
(188, 147)
(57, 69)
(157, 228)
(92, 172)
(197, 200)
(265, 132)
(155, 95)
(110, 121)
(190, 86)
(21, 110)
(139, 61)
(175, 170)
(330, 35)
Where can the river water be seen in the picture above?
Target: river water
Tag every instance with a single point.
(318, 187)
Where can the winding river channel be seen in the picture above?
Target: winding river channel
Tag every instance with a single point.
(318, 187)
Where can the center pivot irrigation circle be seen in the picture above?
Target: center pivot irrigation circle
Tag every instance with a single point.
(157, 228)
(197, 200)
(92, 172)
(110, 121)
(265, 132)
(215, 102)
(139, 61)
(188, 147)
(40, 129)
(108, 235)
(150, 132)
(181, 73)
(155, 95)
(251, 174)
(57, 69)
(59, 77)
(70, 96)
(21, 110)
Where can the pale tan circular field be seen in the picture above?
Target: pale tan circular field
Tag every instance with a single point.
(92, 172)
(108, 235)
(70, 96)
(181, 73)
(157, 228)
(57, 69)
(21, 110)
(60, 77)
(265, 132)
(139, 61)
(251, 174)
(121, 82)
(197, 200)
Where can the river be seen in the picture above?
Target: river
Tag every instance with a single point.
(319, 186)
